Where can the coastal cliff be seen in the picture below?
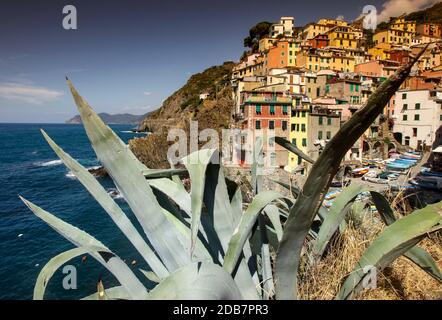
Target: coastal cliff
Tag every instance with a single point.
(206, 98)
(124, 118)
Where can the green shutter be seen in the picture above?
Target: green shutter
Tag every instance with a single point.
(320, 135)
(284, 109)
(320, 120)
(272, 109)
(258, 108)
(418, 106)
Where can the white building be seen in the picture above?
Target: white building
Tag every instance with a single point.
(417, 116)
(284, 27)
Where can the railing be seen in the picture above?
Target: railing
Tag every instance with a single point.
(268, 100)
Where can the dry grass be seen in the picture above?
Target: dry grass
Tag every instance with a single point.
(401, 280)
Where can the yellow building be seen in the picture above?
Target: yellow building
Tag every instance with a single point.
(380, 52)
(298, 131)
(342, 37)
(342, 63)
(393, 36)
(265, 44)
(333, 22)
(401, 24)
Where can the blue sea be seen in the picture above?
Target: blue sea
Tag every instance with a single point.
(29, 167)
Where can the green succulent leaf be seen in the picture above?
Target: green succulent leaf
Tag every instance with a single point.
(197, 281)
(111, 207)
(55, 263)
(196, 163)
(417, 255)
(126, 171)
(335, 217)
(395, 240)
(82, 239)
(243, 231)
(293, 148)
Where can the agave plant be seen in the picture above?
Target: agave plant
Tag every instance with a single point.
(208, 244)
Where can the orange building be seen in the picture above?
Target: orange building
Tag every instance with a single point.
(277, 56)
(429, 29)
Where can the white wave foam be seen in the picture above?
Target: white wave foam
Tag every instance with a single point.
(50, 163)
(115, 194)
(71, 175)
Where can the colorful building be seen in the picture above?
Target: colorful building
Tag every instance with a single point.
(267, 114)
(417, 117)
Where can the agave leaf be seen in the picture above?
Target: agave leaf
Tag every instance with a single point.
(200, 251)
(162, 173)
(295, 190)
(257, 166)
(324, 169)
(223, 219)
(82, 239)
(115, 293)
(293, 148)
(272, 212)
(236, 204)
(109, 205)
(417, 255)
(395, 240)
(125, 170)
(197, 281)
(335, 217)
(55, 263)
(266, 264)
(151, 276)
(243, 231)
(196, 163)
(174, 191)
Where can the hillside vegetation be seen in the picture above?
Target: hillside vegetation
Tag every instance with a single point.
(184, 106)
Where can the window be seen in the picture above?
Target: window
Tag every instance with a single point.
(405, 106)
(299, 160)
(303, 127)
(416, 117)
(258, 109)
(304, 142)
(284, 125)
(320, 135)
(328, 135)
(284, 110)
(303, 114)
(404, 117)
(272, 125)
(351, 87)
(320, 120)
(357, 88)
(272, 110)
(293, 127)
(271, 141)
(417, 106)
(294, 141)
(273, 159)
(258, 124)
(440, 117)
(414, 132)
(404, 96)
(329, 121)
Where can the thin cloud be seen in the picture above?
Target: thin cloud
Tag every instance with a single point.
(395, 8)
(28, 93)
(147, 93)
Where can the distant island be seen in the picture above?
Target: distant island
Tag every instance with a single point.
(123, 118)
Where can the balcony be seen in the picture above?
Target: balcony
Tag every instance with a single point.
(282, 100)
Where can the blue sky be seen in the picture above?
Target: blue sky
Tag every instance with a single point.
(126, 56)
